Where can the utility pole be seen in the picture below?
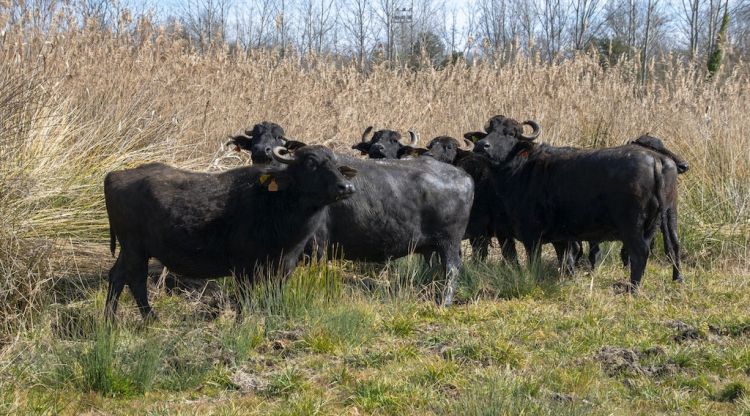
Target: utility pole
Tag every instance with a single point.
(404, 16)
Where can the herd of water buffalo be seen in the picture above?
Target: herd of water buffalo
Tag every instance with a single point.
(297, 199)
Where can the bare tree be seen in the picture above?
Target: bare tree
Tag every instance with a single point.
(318, 20)
(205, 21)
(524, 12)
(587, 22)
(357, 23)
(493, 20)
(689, 15)
(740, 30)
(282, 20)
(553, 19)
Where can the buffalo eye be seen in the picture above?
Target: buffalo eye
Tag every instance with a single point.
(310, 163)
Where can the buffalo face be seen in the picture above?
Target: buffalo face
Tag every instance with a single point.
(504, 138)
(446, 149)
(313, 172)
(384, 144)
(507, 126)
(261, 140)
(498, 147)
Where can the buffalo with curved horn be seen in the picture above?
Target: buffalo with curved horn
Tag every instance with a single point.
(385, 144)
(208, 225)
(260, 140)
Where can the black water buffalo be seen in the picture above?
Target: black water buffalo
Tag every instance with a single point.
(384, 144)
(402, 206)
(387, 144)
(261, 139)
(574, 250)
(622, 193)
(671, 242)
(205, 225)
(483, 224)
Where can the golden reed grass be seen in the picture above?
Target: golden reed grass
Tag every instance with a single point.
(77, 103)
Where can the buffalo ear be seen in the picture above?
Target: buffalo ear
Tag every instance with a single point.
(293, 145)
(363, 147)
(475, 136)
(523, 147)
(348, 172)
(461, 153)
(274, 181)
(405, 151)
(241, 142)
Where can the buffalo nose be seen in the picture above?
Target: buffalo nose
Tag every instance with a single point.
(346, 188)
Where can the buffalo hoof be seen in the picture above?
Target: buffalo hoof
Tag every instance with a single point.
(149, 319)
(622, 288)
(678, 279)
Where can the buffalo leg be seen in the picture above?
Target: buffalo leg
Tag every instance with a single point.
(116, 285)
(508, 247)
(139, 288)
(594, 250)
(624, 256)
(451, 258)
(638, 251)
(565, 252)
(672, 242)
(131, 269)
(479, 247)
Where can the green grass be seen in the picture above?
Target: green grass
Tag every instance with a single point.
(334, 339)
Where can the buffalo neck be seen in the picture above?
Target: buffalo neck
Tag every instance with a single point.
(288, 217)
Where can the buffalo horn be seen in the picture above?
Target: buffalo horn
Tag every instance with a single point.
(414, 138)
(534, 134)
(468, 145)
(366, 133)
(285, 158)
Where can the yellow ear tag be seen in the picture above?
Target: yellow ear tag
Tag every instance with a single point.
(273, 186)
(264, 178)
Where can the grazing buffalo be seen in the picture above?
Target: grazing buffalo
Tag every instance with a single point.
(384, 144)
(622, 193)
(205, 225)
(260, 140)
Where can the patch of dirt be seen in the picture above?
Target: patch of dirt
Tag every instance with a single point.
(247, 382)
(742, 330)
(617, 361)
(624, 288)
(291, 335)
(560, 397)
(685, 332)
